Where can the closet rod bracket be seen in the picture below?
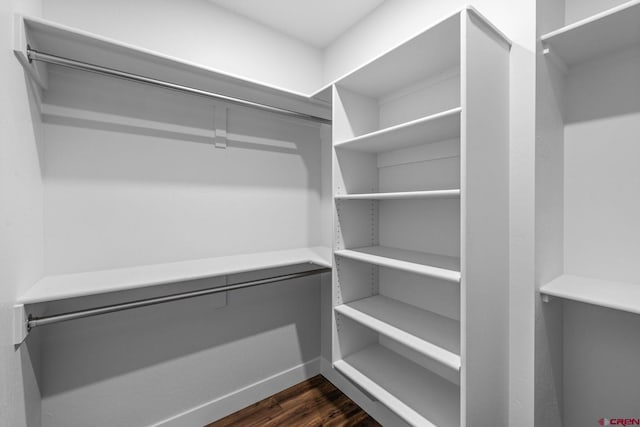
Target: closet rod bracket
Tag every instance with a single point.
(20, 324)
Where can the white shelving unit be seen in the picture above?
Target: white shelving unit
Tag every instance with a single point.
(63, 286)
(415, 298)
(588, 122)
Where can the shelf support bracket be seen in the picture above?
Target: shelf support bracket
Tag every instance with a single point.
(20, 324)
(546, 298)
(220, 140)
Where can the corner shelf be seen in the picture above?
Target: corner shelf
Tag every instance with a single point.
(430, 334)
(616, 28)
(416, 395)
(436, 127)
(402, 195)
(623, 296)
(432, 265)
(52, 288)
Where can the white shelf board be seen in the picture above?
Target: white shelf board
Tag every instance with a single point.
(62, 40)
(51, 288)
(436, 127)
(435, 336)
(622, 296)
(613, 29)
(400, 195)
(416, 395)
(438, 266)
(429, 53)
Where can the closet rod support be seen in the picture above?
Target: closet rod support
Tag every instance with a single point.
(34, 55)
(34, 322)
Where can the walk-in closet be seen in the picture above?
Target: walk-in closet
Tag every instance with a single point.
(319, 213)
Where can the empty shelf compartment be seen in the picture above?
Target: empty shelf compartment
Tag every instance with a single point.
(435, 336)
(437, 127)
(416, 395)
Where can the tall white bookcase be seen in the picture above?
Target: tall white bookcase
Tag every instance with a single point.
(420, 183)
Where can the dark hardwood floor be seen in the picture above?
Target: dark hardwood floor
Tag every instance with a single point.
(315, 402)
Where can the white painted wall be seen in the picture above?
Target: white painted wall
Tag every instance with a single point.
(394, 22)
(602, 125)
(118, 197)
(21, 234)
(215, 37)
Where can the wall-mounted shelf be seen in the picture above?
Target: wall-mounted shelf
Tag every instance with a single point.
(605, 32)
(65, 286)
(434, 336)
(432, 265)
(605, 293)
(416, 395)
(433, 128)
(401, 195)
(79, 45)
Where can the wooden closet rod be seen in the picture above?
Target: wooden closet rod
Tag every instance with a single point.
(34, 55)
(34, 322)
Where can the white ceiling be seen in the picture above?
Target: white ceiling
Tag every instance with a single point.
(312, 21)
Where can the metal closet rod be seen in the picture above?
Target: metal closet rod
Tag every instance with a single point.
(34, 55)
(34, 322)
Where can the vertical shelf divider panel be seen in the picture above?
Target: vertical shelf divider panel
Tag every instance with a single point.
(420, 180)
(485, 224)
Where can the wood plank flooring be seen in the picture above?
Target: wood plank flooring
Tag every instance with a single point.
(312, 403)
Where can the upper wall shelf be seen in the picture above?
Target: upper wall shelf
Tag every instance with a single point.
(614, 29)
(433, 128)
(605, 293)
(52, 288)
(79, 45)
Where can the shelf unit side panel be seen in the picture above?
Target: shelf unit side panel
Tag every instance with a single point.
(485, 225)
